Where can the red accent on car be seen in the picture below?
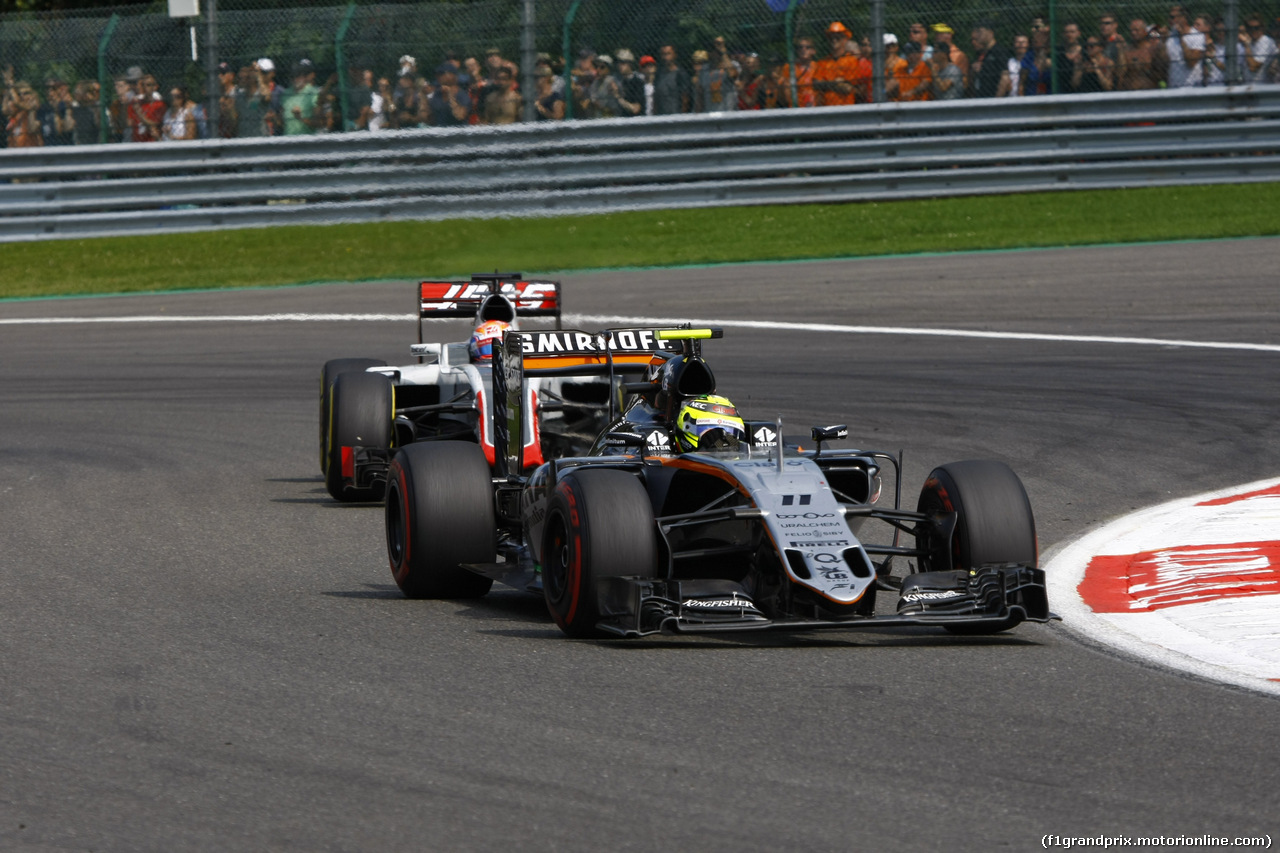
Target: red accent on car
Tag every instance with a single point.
(1152, 580)
(533, 449)
(574, 579)
(451, 295)
(486, 443)
(397, 472)
(348, 463)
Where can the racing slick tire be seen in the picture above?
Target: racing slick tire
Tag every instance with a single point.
(599, 525)
(328, 374)
(440, 514)
(994, 522)
(361, 413)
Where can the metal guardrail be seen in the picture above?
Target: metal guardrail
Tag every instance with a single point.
(885, 151)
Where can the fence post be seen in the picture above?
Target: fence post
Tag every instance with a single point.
(568, 59)
(340, 60)
(211, 68)
(877, 51)
(1053, 47)
(1231, 16)
(791, 50)
(530, 56)
(106, 88)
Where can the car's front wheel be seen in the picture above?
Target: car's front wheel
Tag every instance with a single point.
(994, 522)
(599, 525)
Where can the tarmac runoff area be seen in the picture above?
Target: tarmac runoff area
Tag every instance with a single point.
(1193, 585)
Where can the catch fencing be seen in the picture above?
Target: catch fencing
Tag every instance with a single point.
(840, 154)
(105, 44)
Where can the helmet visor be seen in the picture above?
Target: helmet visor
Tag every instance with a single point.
(715, 435)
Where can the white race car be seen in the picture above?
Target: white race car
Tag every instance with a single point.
(368, 408)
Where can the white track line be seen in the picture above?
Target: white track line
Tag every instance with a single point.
(1066, 568)
(771, 325)
(208, 318)
(607, 319)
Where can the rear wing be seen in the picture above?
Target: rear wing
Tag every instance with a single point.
(488, 296)
(568, 352)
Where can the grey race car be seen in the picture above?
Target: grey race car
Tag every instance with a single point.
(635, 538)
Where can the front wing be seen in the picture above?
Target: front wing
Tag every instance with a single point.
(990, 598)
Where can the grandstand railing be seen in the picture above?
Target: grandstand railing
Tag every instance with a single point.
(843, 154)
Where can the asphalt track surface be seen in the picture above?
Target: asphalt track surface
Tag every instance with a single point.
(200, 651)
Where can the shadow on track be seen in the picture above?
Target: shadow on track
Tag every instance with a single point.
(373, 590)
(318, 495)
(504, 607)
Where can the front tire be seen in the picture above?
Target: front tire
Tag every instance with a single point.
(599, 525)
(361, 413)
(440, 514)
(994, 522)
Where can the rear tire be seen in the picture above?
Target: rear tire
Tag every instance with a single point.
(328, 374)
(994, 522)
(361, 413)
(599, 525)
(440, 514)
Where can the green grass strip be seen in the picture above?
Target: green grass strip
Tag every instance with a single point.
(389, 250)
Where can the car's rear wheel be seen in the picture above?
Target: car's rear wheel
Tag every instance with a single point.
(440, 514)
(328, 374)
(361, 413)
(994, 522)
(599, 525)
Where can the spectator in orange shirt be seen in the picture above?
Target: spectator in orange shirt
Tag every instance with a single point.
(841, 77)
(20, 105)
(805, 70)
(915, 79)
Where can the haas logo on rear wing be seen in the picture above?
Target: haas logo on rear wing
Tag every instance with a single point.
(464, 298)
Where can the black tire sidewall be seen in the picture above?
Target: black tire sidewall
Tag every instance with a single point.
(440, 514)
(360, 414)
(330, 372)
(607, 521)
(994, 522)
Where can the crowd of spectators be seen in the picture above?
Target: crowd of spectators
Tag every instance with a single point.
(927, 63)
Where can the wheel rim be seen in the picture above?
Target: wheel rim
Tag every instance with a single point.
(555, 559)
(933, 504)
(395, 524)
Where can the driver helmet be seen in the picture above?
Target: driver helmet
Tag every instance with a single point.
(481, 346)
(709, 422)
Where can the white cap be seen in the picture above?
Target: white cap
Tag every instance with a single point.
(890, 38)
(265, 64)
